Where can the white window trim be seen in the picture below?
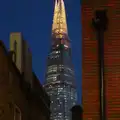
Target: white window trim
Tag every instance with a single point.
(16, 107)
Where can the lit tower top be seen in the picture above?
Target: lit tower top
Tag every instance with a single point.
(59, 19)
(59, 26)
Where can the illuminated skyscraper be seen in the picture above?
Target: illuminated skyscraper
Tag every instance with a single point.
(91, 88)
(60, 78)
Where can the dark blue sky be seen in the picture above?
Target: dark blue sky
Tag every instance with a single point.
(34, 19)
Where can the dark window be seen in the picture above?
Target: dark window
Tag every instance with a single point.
(15, 51)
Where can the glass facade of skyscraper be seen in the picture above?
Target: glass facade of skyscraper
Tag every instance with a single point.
(60, 78)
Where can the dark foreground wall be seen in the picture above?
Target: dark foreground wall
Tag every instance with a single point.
(17, 100)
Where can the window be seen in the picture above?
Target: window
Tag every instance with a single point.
(52, 77)
(52, 68)
(66, 46)
(15, 51)
(61, 30)
(54, 54)
(60, 89)
(72, 98)
(50, 86)
(57, 51)
(17, 113)
(61, 67)
(60, 113)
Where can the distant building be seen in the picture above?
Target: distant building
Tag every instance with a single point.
(60, 76)
(18, 101)
(77, 112)
(21, 55)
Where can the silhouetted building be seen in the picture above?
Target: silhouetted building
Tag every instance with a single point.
(77, 112)
(100, 81)
(60, 78)
(18, 101)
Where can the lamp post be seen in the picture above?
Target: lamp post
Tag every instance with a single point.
(77, 112)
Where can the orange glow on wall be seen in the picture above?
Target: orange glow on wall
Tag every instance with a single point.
(90, 62)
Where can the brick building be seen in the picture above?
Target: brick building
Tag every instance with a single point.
(90, 61)
(18, 100)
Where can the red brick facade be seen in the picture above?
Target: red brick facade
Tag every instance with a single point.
(90, 76)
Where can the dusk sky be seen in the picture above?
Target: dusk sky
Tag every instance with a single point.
(34, 19)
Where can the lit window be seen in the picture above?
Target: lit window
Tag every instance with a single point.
(61, 67)
(60, 89)
(61, 36)
(61, 30)
(49, 79)
(50, 86)
(52, 68)
(65, 100)
(72, 98)
(57, 31)
(52, 77)
(66, 46)
(60, 25)
(56, 56)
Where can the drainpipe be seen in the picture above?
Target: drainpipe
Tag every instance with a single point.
(100, 22)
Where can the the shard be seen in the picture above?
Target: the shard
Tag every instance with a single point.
(60, 78)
